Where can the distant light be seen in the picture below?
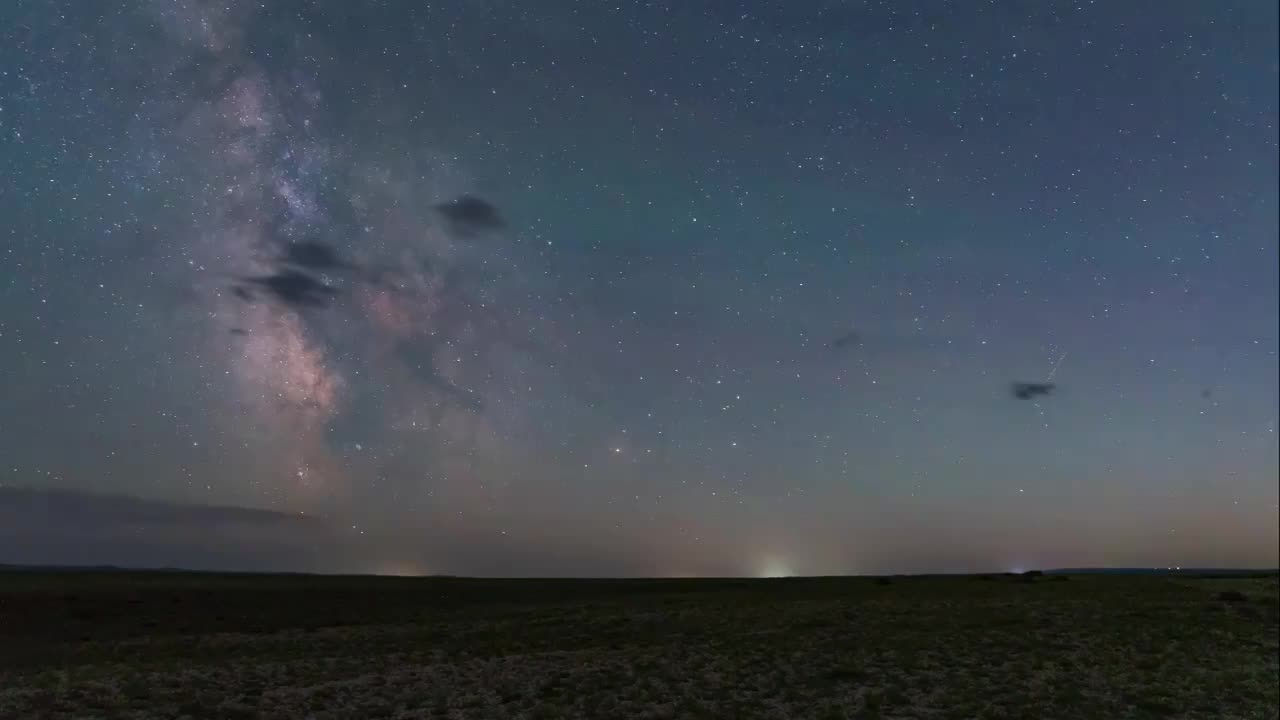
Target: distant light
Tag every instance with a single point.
(400, 569)
(774, 568)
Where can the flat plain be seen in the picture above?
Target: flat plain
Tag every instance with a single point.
(174, 645)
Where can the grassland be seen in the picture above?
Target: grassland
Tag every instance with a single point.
(167, 645)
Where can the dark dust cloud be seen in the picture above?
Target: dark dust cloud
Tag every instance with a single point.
(651, 288)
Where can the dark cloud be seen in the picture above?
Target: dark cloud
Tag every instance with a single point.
(848, 339)
(84, 509)
(470, 214)
(64, 527)
(1026, 391)
(45, 527)
(291, 283)
(313, 255)
(291, 287)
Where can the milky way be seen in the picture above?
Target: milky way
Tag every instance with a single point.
(374, 320)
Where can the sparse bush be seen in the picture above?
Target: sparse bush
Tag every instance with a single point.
(884, 581)
(1232, 596)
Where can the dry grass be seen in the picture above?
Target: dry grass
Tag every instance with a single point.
(153, 646)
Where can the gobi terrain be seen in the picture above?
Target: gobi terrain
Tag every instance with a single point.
(169, 645)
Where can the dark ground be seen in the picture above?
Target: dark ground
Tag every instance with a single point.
(136, 644)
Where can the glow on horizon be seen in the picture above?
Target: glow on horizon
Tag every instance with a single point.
(400, 569)
(774, 567)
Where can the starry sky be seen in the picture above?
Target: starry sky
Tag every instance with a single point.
(660, 288)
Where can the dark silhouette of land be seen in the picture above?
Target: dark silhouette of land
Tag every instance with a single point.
(107, 642)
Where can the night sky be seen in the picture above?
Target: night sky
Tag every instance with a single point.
(667, 288)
